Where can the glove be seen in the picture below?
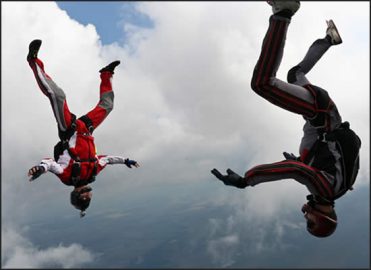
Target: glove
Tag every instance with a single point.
(35, 172)
(129, 162)
(290, 156)
(231, 179)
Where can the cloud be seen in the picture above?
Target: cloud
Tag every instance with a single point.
(19, 252)
(240, 237)
(222, 249)
(183, 105)
(184, 95)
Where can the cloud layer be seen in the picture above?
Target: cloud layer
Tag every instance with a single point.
(19, 252)
(183, 105)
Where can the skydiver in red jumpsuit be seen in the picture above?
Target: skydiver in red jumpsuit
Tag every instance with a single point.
(75, 161)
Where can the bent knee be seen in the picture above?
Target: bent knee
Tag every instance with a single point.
(106, 101)
(59, 95)
(262, 86)
(109, 109)
(292, 74)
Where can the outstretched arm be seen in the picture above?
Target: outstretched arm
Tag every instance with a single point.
(233, 179)
(316, 182)
(44, 166)
(118, 160)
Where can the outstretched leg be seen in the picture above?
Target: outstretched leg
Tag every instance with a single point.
(290, 97)
(105, 105)
(55, 94)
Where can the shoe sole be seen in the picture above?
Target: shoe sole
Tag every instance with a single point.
(332, 25)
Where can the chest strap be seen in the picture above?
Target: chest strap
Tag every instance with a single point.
(88, 123)
(76, 175)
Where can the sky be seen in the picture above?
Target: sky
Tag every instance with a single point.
(183, 105)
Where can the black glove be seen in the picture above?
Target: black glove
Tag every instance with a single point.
(290, 156)
(35, 172)
(231, 179)
(129, 162)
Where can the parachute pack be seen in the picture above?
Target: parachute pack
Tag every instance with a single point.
(347, 141)
(348, 144)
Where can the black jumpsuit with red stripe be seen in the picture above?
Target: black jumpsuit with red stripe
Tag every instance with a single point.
(322, 174)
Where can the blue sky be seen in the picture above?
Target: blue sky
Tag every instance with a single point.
(183, 105)
(107, 17)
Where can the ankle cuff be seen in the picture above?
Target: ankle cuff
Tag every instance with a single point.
(285, 13)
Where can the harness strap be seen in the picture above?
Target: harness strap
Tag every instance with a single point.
(319, 200)
(66, 135)
(76, 172)
(78, 159)
(324, 137)
(88, 123)
(312, 151)
(323, 104)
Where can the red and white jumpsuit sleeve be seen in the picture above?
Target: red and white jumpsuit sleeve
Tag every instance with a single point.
(50, 165)
(111, 160)
(60, 168)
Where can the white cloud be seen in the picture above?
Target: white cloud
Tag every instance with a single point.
(19, 252)
(183, 99)
(248, 234)
(181, 90)
(223, 249)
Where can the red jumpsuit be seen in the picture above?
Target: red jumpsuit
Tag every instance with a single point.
(81, 143)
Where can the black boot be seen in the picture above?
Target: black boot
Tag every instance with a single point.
(111, 67)
(33, 49)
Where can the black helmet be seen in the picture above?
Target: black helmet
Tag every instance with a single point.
(78, 202)
(322, 224)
